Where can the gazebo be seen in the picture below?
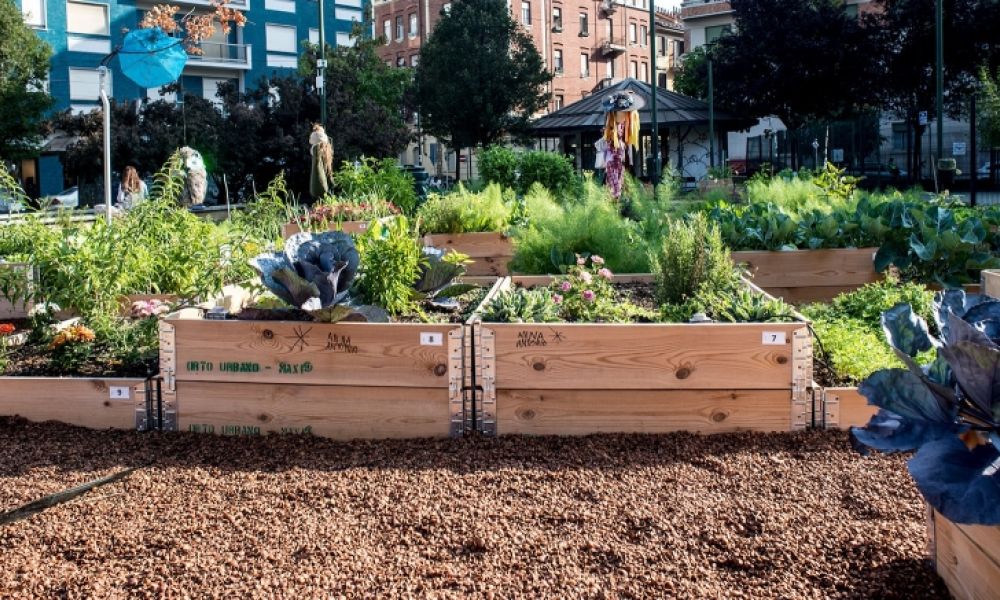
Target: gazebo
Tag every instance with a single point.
(682, 123)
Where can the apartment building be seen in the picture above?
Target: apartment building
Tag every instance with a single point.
(670, 46)
(82, 32)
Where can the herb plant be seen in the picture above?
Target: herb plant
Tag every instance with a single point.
(463, 211)
(521, 305)
(691, 256)
(391, 261)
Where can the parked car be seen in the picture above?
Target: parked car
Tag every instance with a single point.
(882, 171)
(68, 198)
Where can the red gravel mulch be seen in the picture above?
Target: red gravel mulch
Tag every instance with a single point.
(614, 516)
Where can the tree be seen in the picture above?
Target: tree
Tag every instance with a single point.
(905, 31)
(480, 76)
(24, 64)
(989, 108)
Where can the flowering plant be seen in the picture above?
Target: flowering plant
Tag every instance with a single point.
(143, 309)
(6, 329)
(74, 334)
(585, 293)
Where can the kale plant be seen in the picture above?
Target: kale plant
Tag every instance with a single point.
(948, 411)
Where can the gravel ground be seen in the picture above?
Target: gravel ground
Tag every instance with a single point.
(673, 516)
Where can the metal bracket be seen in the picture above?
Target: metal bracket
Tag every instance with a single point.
(830, 411)
(456, 381)
(166, 416)
(485, 381)
(802, 379)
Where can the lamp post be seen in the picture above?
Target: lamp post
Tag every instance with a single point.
(815, 146)
(711, 112)
(321, 66)
(939, 88)
(654, 175)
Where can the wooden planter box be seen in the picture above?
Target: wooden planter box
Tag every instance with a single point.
(990, 283)
(577, 379)
(290, 229)
(342, 380)
(843, 408)
(967, 557)
(801, 276)
(491, 251)
(15, 309)
(98, 403)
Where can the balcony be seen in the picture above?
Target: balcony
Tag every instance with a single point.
(223, 56)
(610, 7)
(237, 4)
(612, 46)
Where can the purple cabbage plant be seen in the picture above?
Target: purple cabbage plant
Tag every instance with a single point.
(948, 411)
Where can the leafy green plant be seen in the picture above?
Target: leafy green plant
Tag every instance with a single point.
(691, 256)
(315, 271)
(745, 306)
(463, 211)
(834, 183)
(391, 260)
(521, 305)
(383, 178)
(853, 350)
(551, 169)
(266, 212)
(553, 234)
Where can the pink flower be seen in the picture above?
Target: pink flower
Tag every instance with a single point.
(597, 260)
(581, 260)
(588, 295)
(566, 286)
(586, 277)
(605, 273)
(557, 298)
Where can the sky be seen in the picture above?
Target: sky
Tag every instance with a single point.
(668, 3)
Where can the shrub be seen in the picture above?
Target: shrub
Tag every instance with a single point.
(551, 169)
(691, 256)
(499, 164)
(554, 234)
(463, 211)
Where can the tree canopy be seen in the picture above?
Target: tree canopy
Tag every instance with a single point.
(24, 65)
(480, 76)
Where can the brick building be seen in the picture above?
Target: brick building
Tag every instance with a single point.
(587, 45)
(670, 45)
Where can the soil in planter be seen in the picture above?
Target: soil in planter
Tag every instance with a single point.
(35, 361)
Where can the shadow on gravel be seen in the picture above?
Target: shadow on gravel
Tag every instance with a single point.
(25, 445)
(905, 579)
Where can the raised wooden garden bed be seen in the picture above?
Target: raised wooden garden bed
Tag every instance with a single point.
(843, 408)
(577, 379)
(990, 283)
(801, 276)
(290, 229)
(342, 380)
(491, 251)
(98, 403)
(967, 557)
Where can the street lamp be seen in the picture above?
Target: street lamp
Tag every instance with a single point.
(711, 111)
(939, 90)
(654, 175)
(321, 66)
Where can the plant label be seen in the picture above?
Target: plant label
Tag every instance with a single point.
(120, 392)
(431, 339)
(773, 338)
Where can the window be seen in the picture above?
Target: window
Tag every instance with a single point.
(661, 45)
(715, 32)
(559, 101)
(313, 35)
(643, 35)
(661, 78)
(413, 25)
(89, 19)
(85, 84)
(399, 29)
(584, 66)
(556, 19)
(344, 39)
(400, 61)
(34, 12)
(584, 25)
(280, 5)
(611, 68)
(632, 67)
(281, 38)
(645, 72)
(346, 14)
(633, 33)
(557, 61)
(899, 135)
(414, 60)
(851, 10)
(526, 13)
(387, 30)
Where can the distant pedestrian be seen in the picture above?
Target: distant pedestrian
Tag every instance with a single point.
(132, 190)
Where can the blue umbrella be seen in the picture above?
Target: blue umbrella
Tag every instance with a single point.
(151, 58)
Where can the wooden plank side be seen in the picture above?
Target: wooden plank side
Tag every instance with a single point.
(810, 294)
(845, 407)
(290, 229)
(366, 354)
(339, 412)
(489, 251)
(808, 268)
(582, 412)
(990, 283)
(643, 356)
(86, 402)
(964, 561)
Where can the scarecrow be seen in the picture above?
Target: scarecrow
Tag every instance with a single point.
(621, 136)
(322, 162)
(195, 177)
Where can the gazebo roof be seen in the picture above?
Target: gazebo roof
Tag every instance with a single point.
(672, 109)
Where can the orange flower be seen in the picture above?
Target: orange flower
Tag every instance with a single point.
(74, 334)
(6, 328)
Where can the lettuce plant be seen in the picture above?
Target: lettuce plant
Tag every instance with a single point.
(949, 410)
